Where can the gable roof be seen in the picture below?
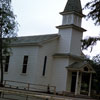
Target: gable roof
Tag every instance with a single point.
(80, 65)
(34, 40)
(77, 65)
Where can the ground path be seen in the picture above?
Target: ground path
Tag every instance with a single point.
(43, 96)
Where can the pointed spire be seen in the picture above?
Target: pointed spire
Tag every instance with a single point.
(73, 5)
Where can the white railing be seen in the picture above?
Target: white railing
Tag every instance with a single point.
(30, 87)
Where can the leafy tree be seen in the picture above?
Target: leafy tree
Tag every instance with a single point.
(7, 30)
(96, 59)
(89, 42)
(94, 14)
(95, 63)
(94, 6)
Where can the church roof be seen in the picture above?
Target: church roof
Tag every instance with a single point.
(66, 55)
(80, 65)
(73, 5)
(34, 40)
(77, 65)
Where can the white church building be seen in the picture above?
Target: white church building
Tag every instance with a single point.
(55, 59)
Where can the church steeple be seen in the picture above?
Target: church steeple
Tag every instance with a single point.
(71, 30)
(73, 5)
(72, 13)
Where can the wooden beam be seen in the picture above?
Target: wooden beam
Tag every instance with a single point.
(77, 80)
(90, 84)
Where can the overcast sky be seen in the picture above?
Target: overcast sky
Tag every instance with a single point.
(37, 17)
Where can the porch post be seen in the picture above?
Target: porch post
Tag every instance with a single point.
(80, 80)
(90, 84)
(77, 81)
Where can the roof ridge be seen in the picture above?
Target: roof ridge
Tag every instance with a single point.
(37, 35)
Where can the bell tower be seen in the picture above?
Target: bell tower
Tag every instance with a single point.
(72, 13)
(71, 31)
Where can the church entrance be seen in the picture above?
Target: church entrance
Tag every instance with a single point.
(82, 83)
(85, 83)
(73, 83)
(80, 78)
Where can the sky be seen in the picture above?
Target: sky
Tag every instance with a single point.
(37, 17)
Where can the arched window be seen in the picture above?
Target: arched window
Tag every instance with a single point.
(85, 69)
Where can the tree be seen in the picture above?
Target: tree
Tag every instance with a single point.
(95, 62)
(94, 13)
(94, 6)
(7, 30)
(96, 59)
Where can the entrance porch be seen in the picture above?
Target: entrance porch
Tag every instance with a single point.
(79, 77)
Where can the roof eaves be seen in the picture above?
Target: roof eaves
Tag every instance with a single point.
(72, 12)
(25, 44)
(71, 26)
(66, 55)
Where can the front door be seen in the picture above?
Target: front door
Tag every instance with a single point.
(73, 83)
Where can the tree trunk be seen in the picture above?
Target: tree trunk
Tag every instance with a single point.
(1, 60)
(1, 65)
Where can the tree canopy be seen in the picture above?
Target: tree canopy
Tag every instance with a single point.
(8, 28)
(94, 14)
(94, 7)
(7, 21)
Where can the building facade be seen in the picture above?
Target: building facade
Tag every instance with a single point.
(54, 59)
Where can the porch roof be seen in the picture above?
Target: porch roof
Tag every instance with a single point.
(80, 66)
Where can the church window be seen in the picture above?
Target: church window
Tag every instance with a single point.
(25, 62)
(6, 63)
(44, 66)
(85, 69)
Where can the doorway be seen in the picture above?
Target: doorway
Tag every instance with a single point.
(85, 83)
(73, 83)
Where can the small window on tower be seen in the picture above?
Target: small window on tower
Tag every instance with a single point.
(25, 62)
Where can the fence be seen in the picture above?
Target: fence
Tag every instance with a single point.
(30, 87)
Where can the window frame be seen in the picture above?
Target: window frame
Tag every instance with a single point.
(25, 63)
(44, 66)
(6, 65)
